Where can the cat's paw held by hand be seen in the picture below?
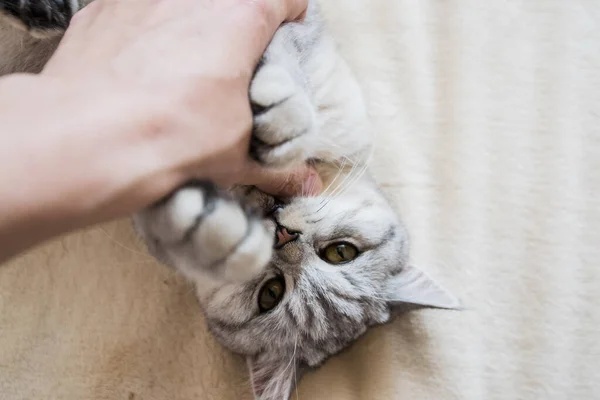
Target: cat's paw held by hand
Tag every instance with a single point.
(207, 231)
(284, 118)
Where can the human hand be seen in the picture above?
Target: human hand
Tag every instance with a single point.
(140, 96)
(181, 70)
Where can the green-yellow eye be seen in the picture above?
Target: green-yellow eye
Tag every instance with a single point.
(339, 253)
(271, 294)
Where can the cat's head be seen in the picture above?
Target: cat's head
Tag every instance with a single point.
(340, 265)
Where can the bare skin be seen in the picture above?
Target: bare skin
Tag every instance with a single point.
(140, 96)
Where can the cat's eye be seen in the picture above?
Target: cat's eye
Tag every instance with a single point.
(271, 294)
(339, 253)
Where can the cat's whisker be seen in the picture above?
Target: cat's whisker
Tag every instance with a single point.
(309, 191)
(296, 370)
(362, 163)
(348, 181)
(321, 208)
(276, 380)
(328, 143)
(312, 188)
(343, 160)
(353, 179)
(337, 175)
(341, 184)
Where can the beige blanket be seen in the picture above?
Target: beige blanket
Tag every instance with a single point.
(488, 117)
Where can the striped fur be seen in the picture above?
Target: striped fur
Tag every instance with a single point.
(306, 106)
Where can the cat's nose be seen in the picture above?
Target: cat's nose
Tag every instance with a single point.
(284, 236)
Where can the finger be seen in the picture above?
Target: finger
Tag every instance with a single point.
(257, 21)
(300, 181)
(286, 10)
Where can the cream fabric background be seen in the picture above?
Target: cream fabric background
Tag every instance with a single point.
(488, 116)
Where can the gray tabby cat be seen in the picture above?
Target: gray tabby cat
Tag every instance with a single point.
(286, 284)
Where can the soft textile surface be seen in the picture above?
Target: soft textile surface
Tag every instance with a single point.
(488, 116)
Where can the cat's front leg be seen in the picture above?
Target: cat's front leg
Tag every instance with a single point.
(206, 234)
(284, 115)
(42, 18)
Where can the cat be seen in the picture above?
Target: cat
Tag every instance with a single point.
(285, 283)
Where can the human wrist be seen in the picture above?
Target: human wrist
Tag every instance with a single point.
(56, 137)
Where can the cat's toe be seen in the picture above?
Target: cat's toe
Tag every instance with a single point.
(249, 256)
(199, 229)
(284, 118)
(233, 244)
(173, 219)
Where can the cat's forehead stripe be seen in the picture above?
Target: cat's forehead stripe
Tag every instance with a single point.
(370, 243)
(389, 236)
(348, 277)
(290, 314)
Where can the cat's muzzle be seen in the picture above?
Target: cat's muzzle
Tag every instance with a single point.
(284, 236)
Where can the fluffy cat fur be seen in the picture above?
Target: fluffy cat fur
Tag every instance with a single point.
(307, 106)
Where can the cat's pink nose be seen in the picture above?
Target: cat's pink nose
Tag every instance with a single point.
(283, 236)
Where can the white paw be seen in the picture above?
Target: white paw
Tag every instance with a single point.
(197, 230)
(284, 117)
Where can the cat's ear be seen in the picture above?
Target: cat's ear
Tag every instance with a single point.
(412, 286)
(273, 378)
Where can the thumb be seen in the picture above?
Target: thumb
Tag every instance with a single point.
(300, 181)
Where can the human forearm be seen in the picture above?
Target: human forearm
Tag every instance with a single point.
(83, 152)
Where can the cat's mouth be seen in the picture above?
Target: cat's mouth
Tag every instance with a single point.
(284, 236)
